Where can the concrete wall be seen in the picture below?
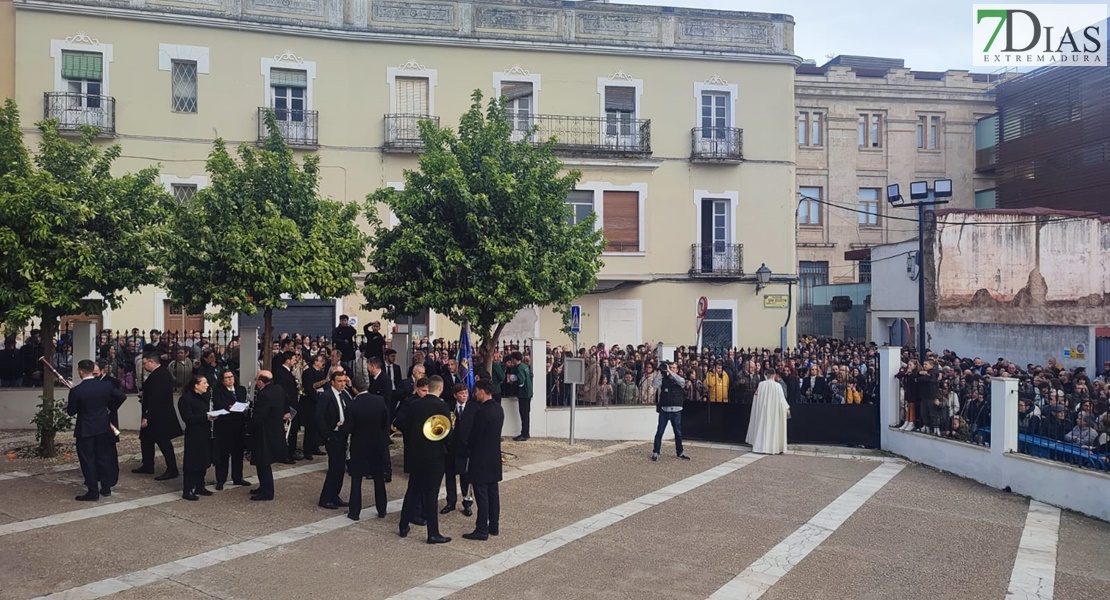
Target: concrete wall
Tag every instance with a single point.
(893, 292)
(1022, 344)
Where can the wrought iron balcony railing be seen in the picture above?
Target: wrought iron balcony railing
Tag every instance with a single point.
(717, 260)
(717, 144)
(298, 127)
(402, 132)
(72, 110)
(590, 136)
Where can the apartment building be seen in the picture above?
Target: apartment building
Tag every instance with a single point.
(679, 119)
(866, 122)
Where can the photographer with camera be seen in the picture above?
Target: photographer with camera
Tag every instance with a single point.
(668, 403)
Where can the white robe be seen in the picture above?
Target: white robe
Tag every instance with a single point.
(767, 428)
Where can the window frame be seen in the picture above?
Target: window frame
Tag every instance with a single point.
(871, 212)
(869, 130)
(196, 86)
(81, 43)
(614, 81)
(813, 204)
(168, 54)
(414, 70)
(516, 74)
(811, 128)
(928, 132)
(599, 188)
(717, 86)
(169, 181)
(575, 203)
(292, 63)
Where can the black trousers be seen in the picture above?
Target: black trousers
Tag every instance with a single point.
(453, 486)
(294, 430)
(420, 500)
(265, 480)
(99, 461)
(488, 497)
(312, 437)
(356, 495)
(191, 481)
(525, 405)
(230, 445)
(337, 462)
(146, 447)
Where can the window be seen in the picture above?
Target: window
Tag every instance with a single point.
(869, 130)
(183, 86)
(810, 275)
(620, 110)
(716, 329)
(183, 192)
(519, 103)
(288, 87)
(83, 72)
(928, 132)
(869, 207)
(810, 128)
(985, 199)
(715, 117)
(581, 205)
(621, 221)
(809, 209)
(864, 271)
(412, 96)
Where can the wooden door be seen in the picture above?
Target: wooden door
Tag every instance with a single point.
(177, 320)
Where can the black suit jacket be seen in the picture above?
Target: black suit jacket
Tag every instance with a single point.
(421, 454)
(394, 372)
(820, 388)
(484, 444)
(456, 442)
(266, 423)
(379, 386)
(327, 415)
(158, 406)
(285, 379)
(93, 401)
(368, 423)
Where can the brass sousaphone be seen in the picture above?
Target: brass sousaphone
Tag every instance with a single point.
(437, 427)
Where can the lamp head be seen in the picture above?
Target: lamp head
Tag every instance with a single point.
(942, 188)
(763, 274)
(893, 193)
(919, 190)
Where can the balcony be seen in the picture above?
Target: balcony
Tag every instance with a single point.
(402, 132)
(298, 127)
(590, 136)
(716, 145)
(72, 110)
(717, 260)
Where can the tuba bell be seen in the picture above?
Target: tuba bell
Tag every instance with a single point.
(436, 427)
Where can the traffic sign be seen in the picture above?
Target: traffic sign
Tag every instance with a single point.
(575, 318)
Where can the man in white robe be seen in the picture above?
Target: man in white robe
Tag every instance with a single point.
(767, 428)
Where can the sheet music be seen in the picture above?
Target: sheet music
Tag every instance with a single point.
(218, 413)
(239, 407)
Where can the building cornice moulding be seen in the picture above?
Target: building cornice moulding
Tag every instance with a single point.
(323, 31)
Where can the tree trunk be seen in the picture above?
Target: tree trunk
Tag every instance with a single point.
(47, 433)
(267, 335)
(489, 345)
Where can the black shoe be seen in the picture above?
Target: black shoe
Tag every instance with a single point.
(190, 497)
(328, 505)
(203, 492)
(144, 470)
(389, 477)
(474, 535)
(438, 539)
(89, 496)
(494, 531)
(105, 491)
(298, 455)
(342, 504)
(519, 438)
(381, 515)
(308, 457)
(447, 509)
(261, 498)
(167, 476)
(241, 482)
(219, 486)
(352, 516)
(256, 492)
(684, 457)
(655, 457)
(404, 531)
(289, 461)
(420, 523)
(467, 512)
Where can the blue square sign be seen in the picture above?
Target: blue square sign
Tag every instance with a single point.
(575, 318)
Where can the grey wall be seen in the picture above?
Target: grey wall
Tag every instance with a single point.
(1021, 344)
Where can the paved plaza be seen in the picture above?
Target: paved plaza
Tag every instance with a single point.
(596, 520)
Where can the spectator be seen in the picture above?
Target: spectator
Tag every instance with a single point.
(717, 383)
(11, 364)
(814, 386)
(1084, 433)
(1029, 420)
(627, 391)
(648, 392)
(1057, 426)
(603, 394)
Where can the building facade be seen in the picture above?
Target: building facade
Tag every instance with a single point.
(678, 119)
(864, 123)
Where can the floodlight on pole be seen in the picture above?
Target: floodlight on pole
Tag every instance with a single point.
(942, 188)
(919, 190)
(893, 193)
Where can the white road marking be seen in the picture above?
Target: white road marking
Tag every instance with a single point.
(1034, 574)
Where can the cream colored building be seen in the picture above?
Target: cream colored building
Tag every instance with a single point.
(864, 123)
(680, 121)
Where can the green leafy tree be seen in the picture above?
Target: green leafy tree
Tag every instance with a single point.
(261, 230)
(483, 230)
(70, 229)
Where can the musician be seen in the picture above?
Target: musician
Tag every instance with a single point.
(483, 449)
(159, 425)
(269, 433)
(330, 418)
(393, 373)
(462, 418)
(92, 401)
(287, 381)
(423, 462)
(193, 406)
(313, 381)
(367, 420)
(229, 430)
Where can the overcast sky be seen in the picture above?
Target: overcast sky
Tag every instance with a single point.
(931, 35)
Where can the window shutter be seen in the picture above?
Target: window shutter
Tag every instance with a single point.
(512, 90)
(82, 65)
(412, 96)
(288, 78)
(620, 98)
(622, 221)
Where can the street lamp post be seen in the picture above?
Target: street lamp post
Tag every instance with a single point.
(919, 191)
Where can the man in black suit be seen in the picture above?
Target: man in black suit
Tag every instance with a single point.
(380, 385)
(423, 462)
(159, 425)
(463, 413)
(483, 447)
(93, 401)
(269, 434)
(331, 415)
(229, 430)
(287, 381)
(367, 420)
(393, 374)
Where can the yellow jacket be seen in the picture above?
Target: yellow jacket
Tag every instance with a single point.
(718, 386)
(853, 396)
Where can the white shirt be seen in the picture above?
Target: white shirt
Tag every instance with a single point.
(339, 403)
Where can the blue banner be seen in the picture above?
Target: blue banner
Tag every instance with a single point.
(466, 360)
